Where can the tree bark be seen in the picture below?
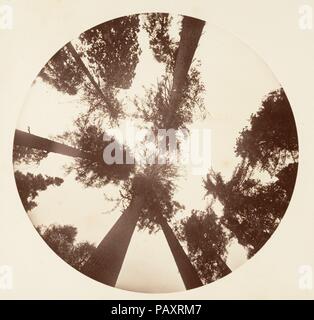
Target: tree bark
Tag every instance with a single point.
(32, 141)
(187, 271)
(107, 261)
(105, 265)
(190, 35)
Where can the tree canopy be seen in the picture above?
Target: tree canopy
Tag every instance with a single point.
(253, 208)
(164, 47)
(155, 184)
(29, 186)
(62, 240)
(206, 244)
(88, 135)
(272, 137)
(63, 73)
(112, 50)
(27, 155)
(155, 108)
(160, 106)
(98, 65)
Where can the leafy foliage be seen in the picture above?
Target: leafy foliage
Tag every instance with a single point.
(155, 184)
(252, 209)
(109, 54)
(156, 109)
(206, 243)
(272, 137)
(27, 155)
(62, 240)
(28, 186)
(112, 50)
(111, 108)
(63, 73)
(164, 47)
(88, 136)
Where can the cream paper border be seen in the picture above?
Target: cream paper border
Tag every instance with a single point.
(271, 28)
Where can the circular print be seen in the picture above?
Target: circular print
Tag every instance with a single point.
(155, 153)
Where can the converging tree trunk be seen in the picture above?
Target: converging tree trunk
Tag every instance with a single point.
(187, 271)
(29, 140)
(105, 264)
(107, 261)
(190, 35)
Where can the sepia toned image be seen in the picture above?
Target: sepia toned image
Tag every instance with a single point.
(155, 153)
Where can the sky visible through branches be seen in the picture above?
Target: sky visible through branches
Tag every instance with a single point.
(235, 80)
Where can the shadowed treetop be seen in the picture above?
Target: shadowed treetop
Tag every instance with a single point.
(156, 109)
(103, 61)
(112, 49)
(28, 155)
(155, 184)
(28, 186)
(164, 47)
(206, 244)
(88, 135)
(253, 209)
(62, 240)
(63, 73)
(272, 138)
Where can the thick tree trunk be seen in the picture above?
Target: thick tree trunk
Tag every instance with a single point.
(32, 141)
(187, 271)
(190, 35)
(105, 265)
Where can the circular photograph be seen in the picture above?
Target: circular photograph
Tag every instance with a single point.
(155, 153)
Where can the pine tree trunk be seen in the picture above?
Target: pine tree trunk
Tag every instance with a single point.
(187, 271)
(190, 35)
(105, 265)
(32, 141)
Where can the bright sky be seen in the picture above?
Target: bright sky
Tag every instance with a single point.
(236, 80)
